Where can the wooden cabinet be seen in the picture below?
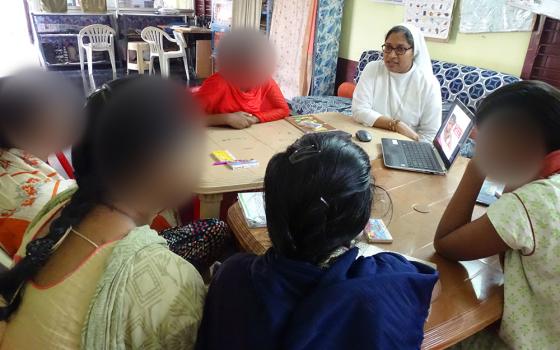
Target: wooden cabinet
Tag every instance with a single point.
(543, 55)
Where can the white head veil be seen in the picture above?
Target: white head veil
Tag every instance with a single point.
(421, 55)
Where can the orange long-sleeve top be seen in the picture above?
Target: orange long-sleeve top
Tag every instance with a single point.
(266, 102)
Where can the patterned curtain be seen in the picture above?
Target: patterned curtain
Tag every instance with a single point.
(325, 55)
(292, 33)
(56, 6)
(246, 14)
(94, 5)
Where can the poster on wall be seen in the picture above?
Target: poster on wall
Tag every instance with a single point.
(522, 4)
(550, 8)
(487, 16)
(394, 2)
(432, 17)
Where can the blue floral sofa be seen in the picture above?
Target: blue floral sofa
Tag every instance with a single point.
(467, 83)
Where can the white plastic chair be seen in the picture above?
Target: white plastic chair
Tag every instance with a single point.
(100, 38)
(155, 38)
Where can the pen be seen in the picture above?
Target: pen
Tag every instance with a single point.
(234, 161)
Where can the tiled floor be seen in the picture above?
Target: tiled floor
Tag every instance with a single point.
(101, 75)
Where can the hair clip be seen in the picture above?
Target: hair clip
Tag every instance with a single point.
(304, 153)
(324, 201)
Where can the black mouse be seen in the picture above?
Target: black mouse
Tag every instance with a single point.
(363, 136)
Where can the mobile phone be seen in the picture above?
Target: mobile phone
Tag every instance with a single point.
(376, 232)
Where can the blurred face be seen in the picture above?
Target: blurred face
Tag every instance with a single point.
(511, 153)
(169, 181)
(57, 128)
(249, 72)
(164, 179)
(246, 59)
(52, 116)
(396, 42)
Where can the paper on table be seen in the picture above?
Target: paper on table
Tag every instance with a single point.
(252, 205)
(367, 249)
(490, 192)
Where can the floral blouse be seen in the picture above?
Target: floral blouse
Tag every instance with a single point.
(26, 184)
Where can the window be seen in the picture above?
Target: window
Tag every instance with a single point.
(123, 4)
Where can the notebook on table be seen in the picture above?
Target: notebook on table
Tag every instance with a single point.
(309, 124)
(438, 156)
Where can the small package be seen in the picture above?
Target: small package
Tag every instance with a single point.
(377, 232)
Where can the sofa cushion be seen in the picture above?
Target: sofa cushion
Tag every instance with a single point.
(320, 104)
(469, 84)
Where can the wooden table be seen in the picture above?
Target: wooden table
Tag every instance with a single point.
(199, 52)
(471, 296)
(191, 30)
(261, 142)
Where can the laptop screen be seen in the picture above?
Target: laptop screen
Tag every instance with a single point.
(453, 133)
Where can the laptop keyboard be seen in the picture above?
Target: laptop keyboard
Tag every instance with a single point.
(420, 155)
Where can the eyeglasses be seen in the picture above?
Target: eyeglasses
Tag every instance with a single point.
(398, 50)
(304, 153)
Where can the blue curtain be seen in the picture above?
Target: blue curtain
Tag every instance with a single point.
(325, 48)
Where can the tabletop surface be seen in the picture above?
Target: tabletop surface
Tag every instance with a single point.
(261, 142)
(471, 295)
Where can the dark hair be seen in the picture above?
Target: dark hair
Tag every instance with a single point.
(318, 196)
(528, 102)
(401, 29)
(24, 96)
(130, 121)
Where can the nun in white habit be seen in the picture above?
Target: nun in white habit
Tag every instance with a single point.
(401, 92)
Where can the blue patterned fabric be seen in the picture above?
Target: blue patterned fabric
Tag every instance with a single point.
(325, 54)
(466, 83)
(320, 104)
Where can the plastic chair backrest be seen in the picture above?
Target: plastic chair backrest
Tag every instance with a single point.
(180, 39)
(99, 35)
(154, 37)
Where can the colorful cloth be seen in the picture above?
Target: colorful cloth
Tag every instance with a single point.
(292, 33)
(217, 96)
(325, 52)
(26, 185)
(270, 302)
(528, 221)
(199, 242)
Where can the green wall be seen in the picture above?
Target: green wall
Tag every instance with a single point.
(365, 23)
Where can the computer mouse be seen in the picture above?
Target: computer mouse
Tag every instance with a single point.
(363, 136)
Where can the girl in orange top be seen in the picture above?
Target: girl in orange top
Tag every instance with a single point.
(243, 93)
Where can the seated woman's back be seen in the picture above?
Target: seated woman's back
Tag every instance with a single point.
(98, 276)
(311, 290)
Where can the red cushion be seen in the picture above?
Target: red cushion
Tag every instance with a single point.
(346, 89)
